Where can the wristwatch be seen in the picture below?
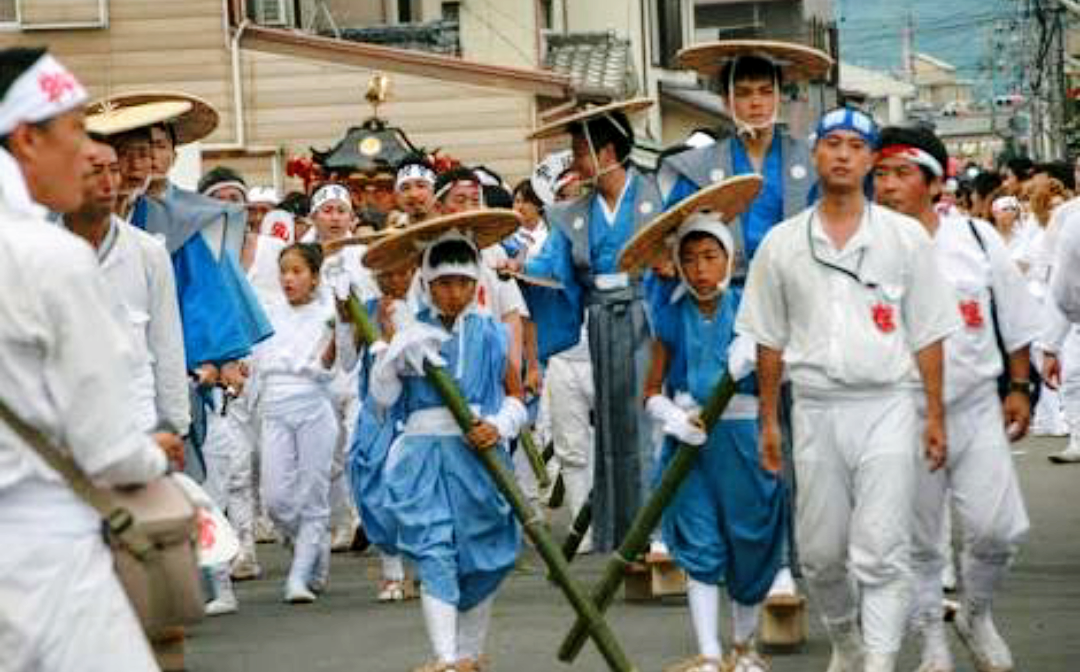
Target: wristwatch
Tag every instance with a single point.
(1021, 386)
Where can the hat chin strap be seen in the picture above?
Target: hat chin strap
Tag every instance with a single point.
(747, 129)
(594, 181)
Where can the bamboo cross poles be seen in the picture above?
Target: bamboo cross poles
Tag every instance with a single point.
(637, 538)
(589, 616)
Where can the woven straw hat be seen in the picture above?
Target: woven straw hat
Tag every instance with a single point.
(728, 199)
(191, 117)
(798, 62)
(486, 227)
(588, 113)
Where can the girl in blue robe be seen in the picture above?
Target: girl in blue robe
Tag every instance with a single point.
(451, 520)
(725, 523)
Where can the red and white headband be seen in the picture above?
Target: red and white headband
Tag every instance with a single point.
(46, 90)
(915, 155)
(1004, 203)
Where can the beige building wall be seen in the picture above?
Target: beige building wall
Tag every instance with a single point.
(289, 104)
(501, 32)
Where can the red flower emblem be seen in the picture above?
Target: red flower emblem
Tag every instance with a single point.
(56, 85)
(971, 312)
(884, 317)
(281, 231)
(207, 531)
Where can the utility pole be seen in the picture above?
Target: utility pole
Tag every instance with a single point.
(908, 37)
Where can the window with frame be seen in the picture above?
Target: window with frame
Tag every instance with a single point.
(43, 14)
(667, 32)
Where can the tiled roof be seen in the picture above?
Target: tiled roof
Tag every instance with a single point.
(437, 37)
(598, 64)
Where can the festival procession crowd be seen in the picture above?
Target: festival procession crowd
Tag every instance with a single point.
(771, 357)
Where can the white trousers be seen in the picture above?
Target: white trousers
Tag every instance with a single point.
(1070, 384)
(298, 454)
(62, 607)
(981, 481)
(342, 508)
(572, 397)
(229, 451)
(855, 458)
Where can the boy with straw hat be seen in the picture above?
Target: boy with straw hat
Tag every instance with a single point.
(581, 253)
(726, 521)
(451, 520)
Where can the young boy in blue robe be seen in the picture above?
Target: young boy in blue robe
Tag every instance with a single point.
(725, 523)
(452, 522)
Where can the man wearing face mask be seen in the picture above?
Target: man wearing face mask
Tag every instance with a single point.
(587, 234)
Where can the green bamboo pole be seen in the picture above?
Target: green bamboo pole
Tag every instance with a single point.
(531, 521)
(536, 461)
(637, 538)
(558, 493)
(578, 528)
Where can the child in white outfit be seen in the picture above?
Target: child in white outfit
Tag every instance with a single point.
(299, 427)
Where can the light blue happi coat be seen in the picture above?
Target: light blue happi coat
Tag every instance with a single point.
(220, 314)
(451, 519)
(726, 523)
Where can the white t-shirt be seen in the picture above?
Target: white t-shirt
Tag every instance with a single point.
(836, 331)
(971, 352)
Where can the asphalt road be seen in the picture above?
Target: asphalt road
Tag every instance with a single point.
(348, 631)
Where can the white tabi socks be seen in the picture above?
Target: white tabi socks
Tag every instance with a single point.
(745, 622)
(704, 600)
(440, 618)
(472, 629)
(393, 569)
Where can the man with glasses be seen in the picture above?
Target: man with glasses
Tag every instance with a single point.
(848, 296)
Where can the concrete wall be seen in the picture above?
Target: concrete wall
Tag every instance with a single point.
(503, 32)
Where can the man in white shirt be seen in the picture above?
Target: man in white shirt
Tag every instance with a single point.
(64, 361)
(140, 277)
(848, 298)
(979, 478)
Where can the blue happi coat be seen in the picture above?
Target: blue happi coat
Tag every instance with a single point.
(726, 523)
(451, 519)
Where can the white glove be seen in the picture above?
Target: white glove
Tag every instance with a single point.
(742, 357)
(413, 345)
(511, 417)
(674, 421)
(337, 277)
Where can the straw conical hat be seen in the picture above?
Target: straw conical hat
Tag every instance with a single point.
(728, 199)
(588, 113)
(798, 62)
(486, 227)
(191, 117)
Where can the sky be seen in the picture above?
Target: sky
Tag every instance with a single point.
(955, 31)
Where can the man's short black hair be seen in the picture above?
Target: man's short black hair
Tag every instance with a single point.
(1021, 166)
(985, 183)
(296, 202)
(746, 68)
(611, 129)
(414, 159)
(919, 137)
(457, 174)
(452, 252)
(1062, 171)
(525, 189)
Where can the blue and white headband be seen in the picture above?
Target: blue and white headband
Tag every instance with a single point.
(330, 192)
(847, 119)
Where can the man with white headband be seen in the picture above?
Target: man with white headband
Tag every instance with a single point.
(581, 253)
(334, 219)
(849, 297)
(414, 188)
(978, 479)
(65, 366)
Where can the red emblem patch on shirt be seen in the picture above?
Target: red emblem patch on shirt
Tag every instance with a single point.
(971, 312)
(884, 317)
(481, 297)
(56, 85)
(207, 531)
(281, 231)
